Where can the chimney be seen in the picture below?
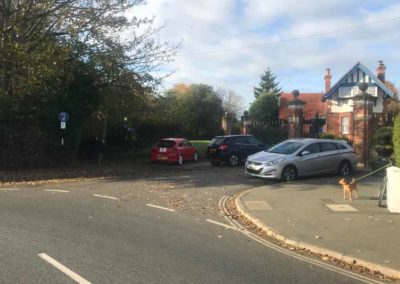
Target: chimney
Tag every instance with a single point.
(328, 78)
(380, 71)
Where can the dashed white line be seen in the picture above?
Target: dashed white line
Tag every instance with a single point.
(64, 269)
(9, 189)
(220, 224)
(106, 196)
(160, 207)
(57, 190)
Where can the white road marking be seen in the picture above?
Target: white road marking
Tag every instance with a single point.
(160, 207)
(9, 189)
(220, 224)
(341, 207)
(170, 177)
(106, 196)
(56, 190)
(64, 269)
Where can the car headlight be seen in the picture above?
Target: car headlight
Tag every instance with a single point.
(274, 162)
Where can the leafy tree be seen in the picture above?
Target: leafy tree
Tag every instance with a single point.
(71, 56)
(268, 84)
(195, 110)
(265, 107)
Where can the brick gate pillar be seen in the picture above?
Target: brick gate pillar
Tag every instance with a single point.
(363, 125)
(227, 123)
(245, 123)
(295, 118)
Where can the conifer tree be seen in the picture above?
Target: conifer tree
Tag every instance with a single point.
(268, 84)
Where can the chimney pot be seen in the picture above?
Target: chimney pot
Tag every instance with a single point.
(327, 78)
(380, 71)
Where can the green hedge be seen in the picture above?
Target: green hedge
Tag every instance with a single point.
(383, 141)
(396, 139)
(333, 136)
(201, 146)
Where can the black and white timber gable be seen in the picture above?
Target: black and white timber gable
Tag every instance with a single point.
(347, 86)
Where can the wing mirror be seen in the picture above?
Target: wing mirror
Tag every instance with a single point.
(304, 153)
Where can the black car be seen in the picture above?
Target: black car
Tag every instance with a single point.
(233, 149)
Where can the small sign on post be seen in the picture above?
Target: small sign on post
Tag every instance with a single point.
(63, 116)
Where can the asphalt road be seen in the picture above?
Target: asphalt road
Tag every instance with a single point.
(108, 231)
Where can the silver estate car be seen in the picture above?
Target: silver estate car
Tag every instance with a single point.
(302, 157)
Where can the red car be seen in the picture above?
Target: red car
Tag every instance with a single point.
(173, 150)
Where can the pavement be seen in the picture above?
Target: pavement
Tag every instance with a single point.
(311, 213)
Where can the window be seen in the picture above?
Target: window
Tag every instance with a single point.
(242, 140)
(253, 140)
(312, 148)
(328, 146)
(340, 146)
(287, 147)
(217, 140)
(345, 125)
(166, 144)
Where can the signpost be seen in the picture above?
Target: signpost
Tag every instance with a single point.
(63, 117)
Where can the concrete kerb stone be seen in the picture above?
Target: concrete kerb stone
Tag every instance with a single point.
(314, 249)
(322, 251)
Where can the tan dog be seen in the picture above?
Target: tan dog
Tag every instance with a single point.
(349, 188)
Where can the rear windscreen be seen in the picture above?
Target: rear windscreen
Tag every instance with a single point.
(217, 140)
(166, 144)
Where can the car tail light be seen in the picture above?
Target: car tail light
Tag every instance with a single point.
(223, 147)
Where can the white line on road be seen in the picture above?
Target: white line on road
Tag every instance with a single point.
(56, 190)
(9, 189)
(220, 224)
(160, 207)
(64, 269)
(170, 177)
(106, 196)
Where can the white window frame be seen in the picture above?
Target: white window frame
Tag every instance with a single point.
(345, 125)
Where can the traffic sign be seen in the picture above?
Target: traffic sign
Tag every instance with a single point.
(63, 116)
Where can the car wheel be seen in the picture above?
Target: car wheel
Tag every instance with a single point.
(180, 160)
(289, 173)
(344, 168)
(233, 160)
(195, 157)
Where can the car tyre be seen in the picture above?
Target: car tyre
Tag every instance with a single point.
(344, 168)
(180, 160)
(233, 160)
(289, 173)
(195, 157)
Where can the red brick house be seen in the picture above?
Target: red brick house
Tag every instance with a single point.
(339, 104)
(354, 107)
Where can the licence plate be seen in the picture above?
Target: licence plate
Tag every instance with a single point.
(161, 157)
(212, 150)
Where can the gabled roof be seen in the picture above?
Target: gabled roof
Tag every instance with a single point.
(313, 104)
(365, 70)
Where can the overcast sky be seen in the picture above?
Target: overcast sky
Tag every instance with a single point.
(229, 43)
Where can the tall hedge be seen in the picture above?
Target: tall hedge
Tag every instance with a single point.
(396, 139)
